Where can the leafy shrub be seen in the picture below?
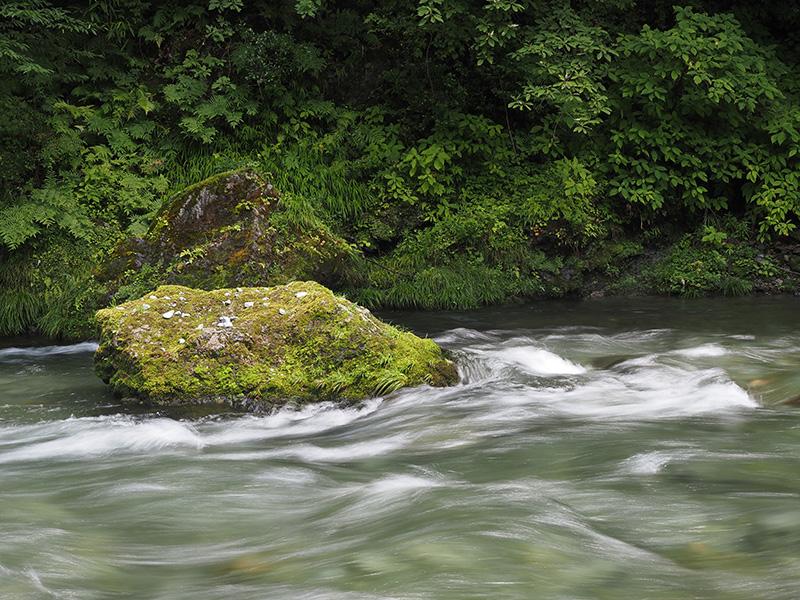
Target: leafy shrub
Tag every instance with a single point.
(699, 120)
(699, 264)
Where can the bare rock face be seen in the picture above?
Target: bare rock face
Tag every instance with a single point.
(258, 347)
(229, 230)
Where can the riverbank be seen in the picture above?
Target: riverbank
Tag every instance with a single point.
(59, 301)
(692, 268)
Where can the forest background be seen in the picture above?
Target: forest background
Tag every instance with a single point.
(471, 152)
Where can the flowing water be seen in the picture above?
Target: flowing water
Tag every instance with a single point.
(614, 448)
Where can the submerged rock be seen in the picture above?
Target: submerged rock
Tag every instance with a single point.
(297, 342)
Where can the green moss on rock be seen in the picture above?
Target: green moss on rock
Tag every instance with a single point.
(225, 231)
(258, 347)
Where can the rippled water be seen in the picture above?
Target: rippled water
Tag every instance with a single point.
(617, 448)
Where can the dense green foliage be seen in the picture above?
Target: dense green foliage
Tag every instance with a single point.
(472, 151)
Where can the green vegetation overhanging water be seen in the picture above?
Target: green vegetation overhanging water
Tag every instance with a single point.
(614, 448)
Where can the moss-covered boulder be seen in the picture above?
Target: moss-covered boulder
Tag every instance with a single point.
(258, 347)
(233, 229)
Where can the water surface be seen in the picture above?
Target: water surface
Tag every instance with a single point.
(614, 448)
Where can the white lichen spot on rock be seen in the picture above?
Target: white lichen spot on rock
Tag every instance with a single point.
(301, 294)
(249, 304)
(168, 314)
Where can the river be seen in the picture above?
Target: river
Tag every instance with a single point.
(620, 448)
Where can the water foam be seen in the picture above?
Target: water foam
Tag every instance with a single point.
(91, 437)
(44, 351)
(463, 335)
(647, 463)
(656, 393)
(667, 384)
(287, 422)
(342, 453)
(538, 361)
(703, 351)
(400, 483)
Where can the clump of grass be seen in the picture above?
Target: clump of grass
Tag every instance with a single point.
(303, 171)
(735, 286)
(19, 309)
(457, 286)
(300, 213)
